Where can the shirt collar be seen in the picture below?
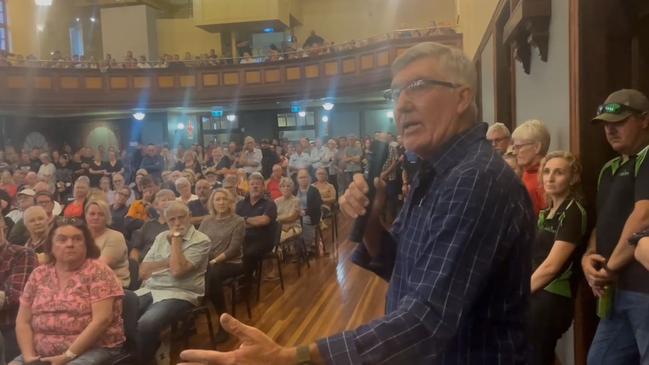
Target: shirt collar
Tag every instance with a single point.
(455, 149)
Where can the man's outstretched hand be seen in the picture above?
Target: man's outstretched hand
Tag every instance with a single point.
(256, 348)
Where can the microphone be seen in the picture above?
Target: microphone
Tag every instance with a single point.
(379, 154)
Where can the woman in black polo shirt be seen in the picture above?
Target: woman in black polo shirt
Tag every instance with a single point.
(561, 229)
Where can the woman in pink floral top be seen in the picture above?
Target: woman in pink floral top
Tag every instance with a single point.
(70, 310)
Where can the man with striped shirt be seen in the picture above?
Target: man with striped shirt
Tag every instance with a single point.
(458, 255)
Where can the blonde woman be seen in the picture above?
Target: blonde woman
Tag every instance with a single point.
(288, 209)
(561, 231)
(226, 231)
(184, 188)
(111, 243)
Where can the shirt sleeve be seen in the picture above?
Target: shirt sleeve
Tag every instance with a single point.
(642, 181)
(104, 283)
(22, 265)
(383, 264)
(29, 291)
(572, 225)
(152, 255)
(236, 241)
(196, 253)
(115, 246)
(464, 243)
(271, 211)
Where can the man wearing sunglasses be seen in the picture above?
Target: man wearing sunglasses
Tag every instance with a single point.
(457, 258)
(620, 282)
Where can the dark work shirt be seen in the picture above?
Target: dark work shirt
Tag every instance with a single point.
(117, 216)
(224, 163)
(197, 208)
(94, 178)
(458, 262)
(143, 237)
(263, 206)
(113, 168)
(620, 186)
(35, 164)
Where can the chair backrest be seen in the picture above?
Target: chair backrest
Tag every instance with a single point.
(130, 311)
(277, 233)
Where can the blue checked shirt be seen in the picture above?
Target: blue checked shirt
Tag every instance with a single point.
(458, 262)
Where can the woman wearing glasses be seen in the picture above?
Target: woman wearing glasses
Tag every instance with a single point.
(531, 141)
(71, 307)
(561, 231)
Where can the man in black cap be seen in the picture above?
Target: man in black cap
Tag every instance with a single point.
(620, 282)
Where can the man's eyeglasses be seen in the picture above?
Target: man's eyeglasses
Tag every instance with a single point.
(616, 108)
(416, 86)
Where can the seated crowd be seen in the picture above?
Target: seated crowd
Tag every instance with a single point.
(192, 219)
(313, 46)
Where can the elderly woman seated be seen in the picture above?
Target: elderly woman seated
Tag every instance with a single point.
(111, 243)
(184, 188)
(327, 190)
(288, 210)
(226, 231)
(71, 309)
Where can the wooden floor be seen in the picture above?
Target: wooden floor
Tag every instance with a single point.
(330, 296)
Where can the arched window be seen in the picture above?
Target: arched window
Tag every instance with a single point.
(4, 34)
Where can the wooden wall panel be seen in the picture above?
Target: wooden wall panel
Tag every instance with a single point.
(165, 82)
(312, 71)
(141, 82)
(293, 73)
(349, 65)
(253, 77)
(272, 75)
(93, 83)
(331, 68)
(231, 78)
(367, 62)
(211, 79)
(43, 82)
(401, 51)
(383, 58)
(118, 82)
(69, 82)
(16, 82)
(187, 81)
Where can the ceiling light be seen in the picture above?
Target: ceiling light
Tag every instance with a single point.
(180, 126)
(302, 114)
(325, 119)
(78, 20)
(93, 19)
(268, 30)
(40, 27)
(327, 106)
(139, 116)
(231, 117)
(43, 2)
(390, 114)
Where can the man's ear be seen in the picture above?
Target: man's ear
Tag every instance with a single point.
(465, 100)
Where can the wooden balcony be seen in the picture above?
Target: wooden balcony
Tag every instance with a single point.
(51, 91)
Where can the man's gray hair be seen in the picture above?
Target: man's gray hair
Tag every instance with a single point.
(256, 176)
(176, 206)
(499, 127)
(453, 62)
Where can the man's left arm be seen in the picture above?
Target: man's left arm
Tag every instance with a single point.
(636, 222)
(22, 266)
(462, 250)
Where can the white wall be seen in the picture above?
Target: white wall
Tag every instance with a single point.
(129, 28)
(545, 93)
(487, 82)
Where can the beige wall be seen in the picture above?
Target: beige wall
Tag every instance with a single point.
(474, 16)
(22, 27)
(177, 36)
(343, 20)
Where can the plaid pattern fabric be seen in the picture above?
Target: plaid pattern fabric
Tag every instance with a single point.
(16, 263)
(458, 262)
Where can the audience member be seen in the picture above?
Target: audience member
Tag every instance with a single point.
(230, 184)
(74, 209)
(118, 184)
(273, 182)
(138, 212)
(219, 162)
(288, 210)
(24, 200)
(173, 274)
(111, 243)
(37, 228)
(226, 231)
(531, 141)
(199, 207)
(19, 233)
(97, 170)
(310, 209)
(353, 158)
(144, 237)
(42, 187)
(119, 209)
(86, 325)
(184, 188)
(250, 157)
(326, 190)
(259, 214)
(499, 136)
(16, 263)
(152, 162)
(561, 230)
(621, 283)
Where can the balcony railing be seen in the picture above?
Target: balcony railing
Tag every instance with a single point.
(341, 72)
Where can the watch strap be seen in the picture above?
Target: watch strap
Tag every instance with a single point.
(303, 356)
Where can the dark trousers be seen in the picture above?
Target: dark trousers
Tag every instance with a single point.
(154, 318)
(550, 317)
(216, 274)
(11, 349)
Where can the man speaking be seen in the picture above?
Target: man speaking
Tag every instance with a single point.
(457, 257)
